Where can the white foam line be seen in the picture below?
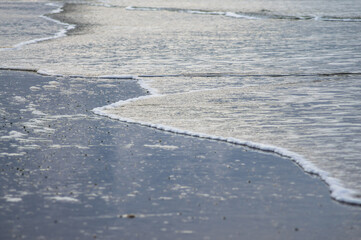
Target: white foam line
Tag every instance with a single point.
(61, 33)
(338, 191)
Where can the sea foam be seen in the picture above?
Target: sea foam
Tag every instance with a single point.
(338, 191)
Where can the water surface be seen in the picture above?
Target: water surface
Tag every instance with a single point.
(280, 73)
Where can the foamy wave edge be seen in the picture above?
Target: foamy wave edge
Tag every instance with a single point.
(337, 191)
(61, 33)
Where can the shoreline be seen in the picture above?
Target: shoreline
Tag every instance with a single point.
(79, 168)
(336, 188)
(337, 191)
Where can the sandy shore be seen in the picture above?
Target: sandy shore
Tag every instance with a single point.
(69, 174)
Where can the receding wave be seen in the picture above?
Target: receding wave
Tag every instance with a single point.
(61, 33)
(264, 14)
(131, 111)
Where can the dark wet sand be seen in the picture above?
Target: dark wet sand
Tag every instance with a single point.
(83, 176)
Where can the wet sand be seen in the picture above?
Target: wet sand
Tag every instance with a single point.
(69, 174)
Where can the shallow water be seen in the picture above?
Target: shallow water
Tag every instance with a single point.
(69, 174)
(278, 73)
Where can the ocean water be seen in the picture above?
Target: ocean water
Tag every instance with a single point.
(281, 76)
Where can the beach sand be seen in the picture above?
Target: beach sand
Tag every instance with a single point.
(67, 173)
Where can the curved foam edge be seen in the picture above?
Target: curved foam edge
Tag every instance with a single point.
(337, 190)
(61, 33)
